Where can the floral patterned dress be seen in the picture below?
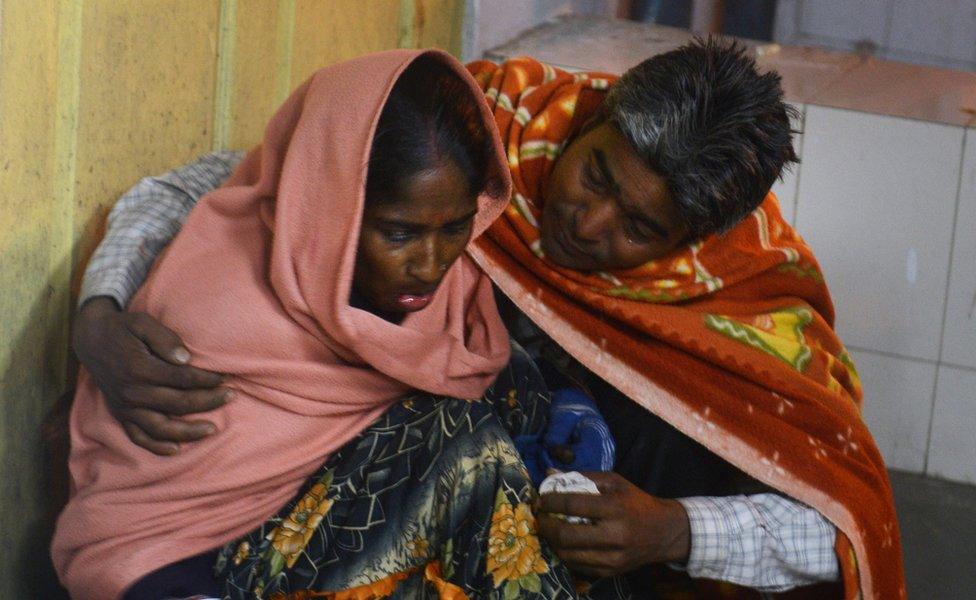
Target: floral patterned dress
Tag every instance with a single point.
(432, 501)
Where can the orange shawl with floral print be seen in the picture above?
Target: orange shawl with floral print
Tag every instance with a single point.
(729, 339)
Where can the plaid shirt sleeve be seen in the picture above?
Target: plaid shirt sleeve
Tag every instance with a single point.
(763, 541)
(144, 220)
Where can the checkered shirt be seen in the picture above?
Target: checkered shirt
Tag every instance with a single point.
(144, 220)
(762, 541)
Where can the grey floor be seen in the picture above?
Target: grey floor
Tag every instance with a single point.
(938, 529)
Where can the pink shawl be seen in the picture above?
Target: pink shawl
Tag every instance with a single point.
(257, 284)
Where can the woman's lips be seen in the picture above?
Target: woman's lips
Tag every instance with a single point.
(412, 302)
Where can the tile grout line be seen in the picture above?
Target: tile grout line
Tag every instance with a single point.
(226, 41)
(945, 299)
(886, 34)
(927, 361)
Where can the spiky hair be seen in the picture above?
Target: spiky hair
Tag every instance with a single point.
(705, 119)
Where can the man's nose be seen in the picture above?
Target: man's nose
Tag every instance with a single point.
(593, 221)
(426, 265)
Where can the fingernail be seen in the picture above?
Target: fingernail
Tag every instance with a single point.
(227, 396)
(181, 355)
(209, 429)
(171, 449)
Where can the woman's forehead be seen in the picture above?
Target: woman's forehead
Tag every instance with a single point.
(440, 193)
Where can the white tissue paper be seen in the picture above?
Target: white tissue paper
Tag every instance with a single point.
(570, 482)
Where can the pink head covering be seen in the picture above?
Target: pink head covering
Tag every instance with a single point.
(257, 285)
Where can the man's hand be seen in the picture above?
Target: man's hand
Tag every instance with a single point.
(629, 528)
(141, 367)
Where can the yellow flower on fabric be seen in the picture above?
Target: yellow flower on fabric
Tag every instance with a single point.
(418, 547)
(513, 548)
(291, 537)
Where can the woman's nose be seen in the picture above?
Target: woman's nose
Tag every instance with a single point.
(426, 265)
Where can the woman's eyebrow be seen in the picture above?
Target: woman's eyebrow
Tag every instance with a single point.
(463, 219)
(420, 225)
(401, 224)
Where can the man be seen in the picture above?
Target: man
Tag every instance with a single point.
(685, 146)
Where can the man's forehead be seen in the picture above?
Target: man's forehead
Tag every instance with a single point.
(637, 181)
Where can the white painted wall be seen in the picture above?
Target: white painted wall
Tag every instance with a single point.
(490, 23)
(929, 32)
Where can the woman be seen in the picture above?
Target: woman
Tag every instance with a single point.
(334, 250)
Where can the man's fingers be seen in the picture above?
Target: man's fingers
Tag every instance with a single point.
(160, 340)
(590, 506)
(154, 371)
(162, 428)
(174, 401)
(588, 563)
(564, 535)
(607, 482)
(139, 438)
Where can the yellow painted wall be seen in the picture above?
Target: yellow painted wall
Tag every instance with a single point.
(95, 94)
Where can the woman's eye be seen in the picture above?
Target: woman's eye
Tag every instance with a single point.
(397, 236)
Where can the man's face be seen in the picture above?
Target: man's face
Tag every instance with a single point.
(606, 210)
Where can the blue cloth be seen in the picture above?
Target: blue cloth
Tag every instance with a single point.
(576, 424)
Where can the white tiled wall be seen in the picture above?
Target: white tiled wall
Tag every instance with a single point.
(959, 341)
(876, 201)
(885, 202)
(952, 450)
(897, 406)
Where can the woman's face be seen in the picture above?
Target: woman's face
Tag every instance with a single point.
(408, 243)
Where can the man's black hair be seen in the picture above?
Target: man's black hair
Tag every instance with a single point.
(431, 117)
(705, 119)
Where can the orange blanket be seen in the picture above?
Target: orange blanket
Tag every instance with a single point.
(729, 339)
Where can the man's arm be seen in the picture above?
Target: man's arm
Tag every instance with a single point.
(140, 365)
(763, 541)
(145, 220)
